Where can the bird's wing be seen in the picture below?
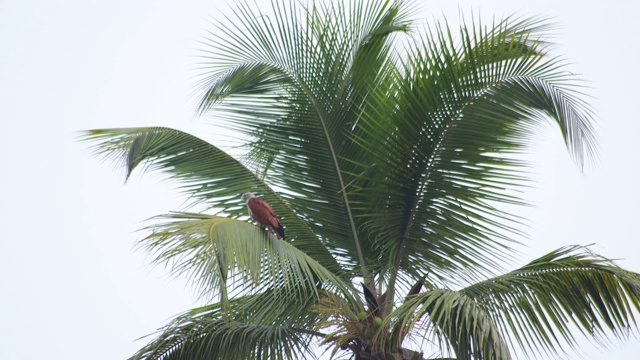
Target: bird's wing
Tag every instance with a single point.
(262, 212)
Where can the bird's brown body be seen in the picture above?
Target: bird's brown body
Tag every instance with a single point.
(263, 214)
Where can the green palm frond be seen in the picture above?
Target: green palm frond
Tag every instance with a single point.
(544, 302)
(221, 253)
(206, 173)
(456, 320)
(538, 307)
(203, 171)
(258, 81)
(256, 329)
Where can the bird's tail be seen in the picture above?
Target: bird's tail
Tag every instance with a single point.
(280, 231)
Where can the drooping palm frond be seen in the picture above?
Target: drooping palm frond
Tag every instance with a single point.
(221, 253)
(257, 328)
(205, 173)
(539, 307)
(548, 300)
(455, 320)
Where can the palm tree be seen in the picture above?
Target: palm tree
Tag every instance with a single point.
(389, 153)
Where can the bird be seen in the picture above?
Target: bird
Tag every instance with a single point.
(263, 214)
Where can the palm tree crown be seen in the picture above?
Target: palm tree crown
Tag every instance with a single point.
(387, 152)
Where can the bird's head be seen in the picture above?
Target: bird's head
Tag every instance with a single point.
(246, 196)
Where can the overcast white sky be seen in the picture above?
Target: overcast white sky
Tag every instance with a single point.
(71, 284)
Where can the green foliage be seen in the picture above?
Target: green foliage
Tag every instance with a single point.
(206, 174)
(566, 290)
(256, 328)
(391, 150)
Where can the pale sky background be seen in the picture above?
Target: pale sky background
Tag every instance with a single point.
(71, 284)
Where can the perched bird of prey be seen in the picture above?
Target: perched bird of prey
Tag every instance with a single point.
(263, 214)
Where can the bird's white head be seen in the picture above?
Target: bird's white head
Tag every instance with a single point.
(246, 196)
